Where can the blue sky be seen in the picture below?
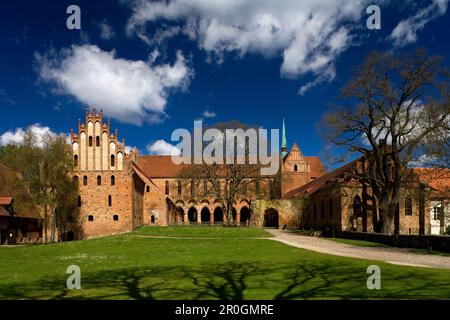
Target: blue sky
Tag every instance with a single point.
(157, 66)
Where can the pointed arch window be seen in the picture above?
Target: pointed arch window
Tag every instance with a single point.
(357, 206)
(85, 180)
(75, 160)
(295, 168)
(90, 141)
(408, 206)
(166, 187)
(79, 201)
(99, 180)
(109, 201)
(97, 141)
(113, 180)
(113, 160)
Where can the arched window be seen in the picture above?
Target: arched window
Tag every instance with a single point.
(408, 206)
(99, 180)
(90, 218)
(148, 189)
(75, 160)
(295, 168)
(79, 201)
(113, 160)
(109, 201)
(90, 141)
(75, 179)
(85, 181)
(330, 208)
(179, 187)
(357, 206)
(115, 217)
(167, 187)
(113, 180)
(97, 141)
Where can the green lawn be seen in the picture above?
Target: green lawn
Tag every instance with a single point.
(358, 243)
(361, 243)
(234, 265)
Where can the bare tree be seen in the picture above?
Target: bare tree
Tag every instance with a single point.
(225, 182)
(396, 112)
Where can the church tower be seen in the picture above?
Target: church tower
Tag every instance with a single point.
(295, 169)
(283, 141)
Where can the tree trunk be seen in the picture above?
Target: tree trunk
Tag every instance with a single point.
(387, 216)
(45, 224)
(53, 225)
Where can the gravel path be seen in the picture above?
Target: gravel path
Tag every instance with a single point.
(399, 256)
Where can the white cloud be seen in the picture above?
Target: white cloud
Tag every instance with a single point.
(106, 31)
(309, 35)
(129, 91)
(209, 114)
(17, 136)
(406, 30)
(162, 147)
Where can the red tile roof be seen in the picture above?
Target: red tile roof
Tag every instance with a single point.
(317, 184)
(159, 166)
(436, 178)
(5, 200)
(162, 166)
(4, 212)
(317, 168)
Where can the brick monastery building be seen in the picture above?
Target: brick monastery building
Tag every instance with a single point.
(120, 191)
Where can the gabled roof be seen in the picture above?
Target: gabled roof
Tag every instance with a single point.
(317, 184)
(437, 178)
(317, 167)
(159, 166)
(153, 166)
(5, 200)
(4, 212)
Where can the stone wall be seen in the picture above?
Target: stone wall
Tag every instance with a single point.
(289, 212)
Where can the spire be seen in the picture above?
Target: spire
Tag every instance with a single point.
(283, 141)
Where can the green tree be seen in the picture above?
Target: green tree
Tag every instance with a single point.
(45, 164)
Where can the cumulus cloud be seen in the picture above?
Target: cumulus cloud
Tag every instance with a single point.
(17, 136)
(308, 35)
(162, 147)
(106, 31)
(130, 91)
(406, 30)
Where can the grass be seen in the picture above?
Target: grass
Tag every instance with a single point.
(359, 243)
(235, 264)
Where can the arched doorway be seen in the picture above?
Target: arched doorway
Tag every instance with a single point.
(271, 218)
(245, 216)
(181, 213)
(70, 236)
(234, 215)
(218, 215)
(205, 215)
(152, 219)
(192, 215)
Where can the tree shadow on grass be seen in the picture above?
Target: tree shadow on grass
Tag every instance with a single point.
(233, 281)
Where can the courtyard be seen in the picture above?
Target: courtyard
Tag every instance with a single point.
(192, 262)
